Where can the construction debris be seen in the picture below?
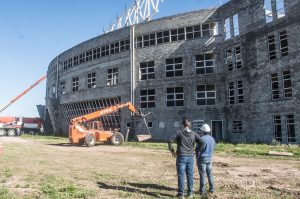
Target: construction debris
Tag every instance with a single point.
(277, 153)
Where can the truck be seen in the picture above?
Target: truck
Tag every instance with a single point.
(15, 126)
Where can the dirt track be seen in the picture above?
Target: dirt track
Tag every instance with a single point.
(127, 172)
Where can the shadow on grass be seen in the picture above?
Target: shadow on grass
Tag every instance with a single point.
(76, 145)
(140, 188)
(152, 186)
(64, 145)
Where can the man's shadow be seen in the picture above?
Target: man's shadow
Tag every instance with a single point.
(140, 188)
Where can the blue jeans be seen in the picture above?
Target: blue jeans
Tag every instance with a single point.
(185, 166)
(205, 167)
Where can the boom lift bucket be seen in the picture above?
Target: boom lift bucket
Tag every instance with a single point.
(144, 137)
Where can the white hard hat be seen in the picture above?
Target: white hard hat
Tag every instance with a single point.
(205, 128)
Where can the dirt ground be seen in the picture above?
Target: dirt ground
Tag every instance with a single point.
(106, 171)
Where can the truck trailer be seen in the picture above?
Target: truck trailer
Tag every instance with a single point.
(15, 126)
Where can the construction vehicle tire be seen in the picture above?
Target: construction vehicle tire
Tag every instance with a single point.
(11, 132)
(81, 142)
(117, 139)
(2, 132)
(89, 140)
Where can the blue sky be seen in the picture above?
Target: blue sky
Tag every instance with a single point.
(33, 32)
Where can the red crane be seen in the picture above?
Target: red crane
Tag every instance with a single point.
(23, 93)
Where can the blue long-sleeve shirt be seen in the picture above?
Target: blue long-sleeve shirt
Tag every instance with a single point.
(206, 151)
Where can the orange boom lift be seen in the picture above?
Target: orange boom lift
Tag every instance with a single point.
(83, 131)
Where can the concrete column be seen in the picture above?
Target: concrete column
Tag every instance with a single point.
(132, 63)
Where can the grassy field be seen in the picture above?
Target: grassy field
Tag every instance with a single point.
(223, 149)
(241, 150)
(45, 167)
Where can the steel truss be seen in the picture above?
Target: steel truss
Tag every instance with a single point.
(140, 11)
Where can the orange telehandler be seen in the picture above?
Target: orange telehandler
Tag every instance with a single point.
(83, 131)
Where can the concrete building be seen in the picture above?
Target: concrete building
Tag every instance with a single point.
(235, 67)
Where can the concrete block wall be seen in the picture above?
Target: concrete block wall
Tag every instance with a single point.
(258, 108)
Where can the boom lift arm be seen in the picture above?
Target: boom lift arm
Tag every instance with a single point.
(105, 111)
(22, 94)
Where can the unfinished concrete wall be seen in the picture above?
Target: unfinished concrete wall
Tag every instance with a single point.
(255, 113)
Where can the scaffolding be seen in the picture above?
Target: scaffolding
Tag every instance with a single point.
(77, 109)
(140, 11)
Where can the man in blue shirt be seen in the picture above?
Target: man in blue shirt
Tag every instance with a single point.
(204, 156)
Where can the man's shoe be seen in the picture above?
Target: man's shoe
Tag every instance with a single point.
(190, 196)
(180, 196)
(211, 192)
(202, 193)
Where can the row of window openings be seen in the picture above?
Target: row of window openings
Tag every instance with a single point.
(96, 53)
(279, 10)
(236, 94)
(203, 30)
(146, 40)
(237, 126)
(205, 95)
(143, 41)
(290, 128)
(174, 67)
(231, 24)
(205, 64)
(183, 34)
(112, 79)
(198, 31)
(176, 124)
(286, 85)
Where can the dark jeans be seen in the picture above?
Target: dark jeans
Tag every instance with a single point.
(185, 166)
(205, 167)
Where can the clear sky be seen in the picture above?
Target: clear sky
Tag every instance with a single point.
(33, 32)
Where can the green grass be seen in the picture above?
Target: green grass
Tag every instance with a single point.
(57, 188)
(255, 149)
(148, 145)
(224, 149)
(44, 138)
(8, 173)
(5, 194)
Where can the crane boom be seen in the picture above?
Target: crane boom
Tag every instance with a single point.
(23, 93)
